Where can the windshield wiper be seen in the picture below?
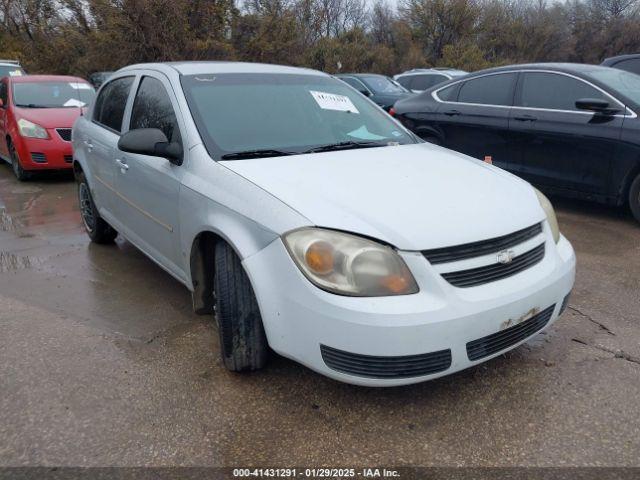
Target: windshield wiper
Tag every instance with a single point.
(256, 154)
(345, 146)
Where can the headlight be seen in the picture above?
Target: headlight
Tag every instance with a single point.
(31, 130)
(349, 265)
(551, 215)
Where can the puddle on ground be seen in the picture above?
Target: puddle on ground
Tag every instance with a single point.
(10, 262)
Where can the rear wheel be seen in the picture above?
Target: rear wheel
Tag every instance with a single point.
(634, 198)
(98, 230)
(20, 173)
(243, 343)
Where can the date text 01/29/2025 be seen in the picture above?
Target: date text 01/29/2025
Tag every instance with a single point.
(315, 473)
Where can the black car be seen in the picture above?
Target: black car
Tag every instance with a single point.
(630, 63)
(382, 90)
(571, 129)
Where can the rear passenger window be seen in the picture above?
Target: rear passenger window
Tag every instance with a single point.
(488, 90)
(404, 81)
(554, 91)
(111, 103)
(449, 94)
(152, 109)
(423, 82)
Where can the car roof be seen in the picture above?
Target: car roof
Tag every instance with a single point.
(619, 58)
(196, 67)
(46, 78)
(580, 70)
(583, 68)
(360, 75)
(418, 71)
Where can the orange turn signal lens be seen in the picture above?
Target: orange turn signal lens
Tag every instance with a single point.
(320, 258)
(396, 283)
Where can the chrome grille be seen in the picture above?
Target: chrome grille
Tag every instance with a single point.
(496, 271)
(483, 247)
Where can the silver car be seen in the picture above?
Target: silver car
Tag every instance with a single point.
(315, 224)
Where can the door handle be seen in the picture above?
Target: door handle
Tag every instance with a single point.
(123, 166)
(452, 113)
(525, 118)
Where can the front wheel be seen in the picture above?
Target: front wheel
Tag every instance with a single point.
(634, 198)
(21, 174)
(98, 230)
(243, 343)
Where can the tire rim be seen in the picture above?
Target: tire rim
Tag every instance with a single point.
(86, 209)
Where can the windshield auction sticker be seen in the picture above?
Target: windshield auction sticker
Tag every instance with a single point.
(331, 101)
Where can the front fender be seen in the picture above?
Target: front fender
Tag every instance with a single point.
(215, 199)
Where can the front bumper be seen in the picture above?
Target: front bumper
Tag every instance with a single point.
(299, 317)
(52, 153)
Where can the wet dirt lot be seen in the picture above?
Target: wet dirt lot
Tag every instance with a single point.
(102, 362)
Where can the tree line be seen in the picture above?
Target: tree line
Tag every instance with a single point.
(82, 36)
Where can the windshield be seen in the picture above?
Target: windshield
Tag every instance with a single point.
(380, 84)
(10, 71)
(52, 94)
(285, 113)
(627, 84)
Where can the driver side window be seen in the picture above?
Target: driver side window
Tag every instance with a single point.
(152, 109)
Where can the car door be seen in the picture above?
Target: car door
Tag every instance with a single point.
(559, 146)
(148, 186)
(100, 139)
(4, 108)
(473, 116)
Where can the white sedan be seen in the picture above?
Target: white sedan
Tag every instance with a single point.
(309, 222)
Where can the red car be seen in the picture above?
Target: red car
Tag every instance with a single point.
(36, 116)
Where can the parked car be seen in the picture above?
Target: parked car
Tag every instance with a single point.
(98, 78)
(570, 129)
(630, 63)
(11, 68)
(36, 116)
(420, 79)
(379, 88)
(317, 224)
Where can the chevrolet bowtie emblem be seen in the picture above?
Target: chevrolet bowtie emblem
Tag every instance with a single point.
(505, 256)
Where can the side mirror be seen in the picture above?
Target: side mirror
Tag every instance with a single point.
(153, 142)
(366, 93)
(596, 105)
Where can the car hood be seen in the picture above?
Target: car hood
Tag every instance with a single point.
(414, 197)
(49, 117)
